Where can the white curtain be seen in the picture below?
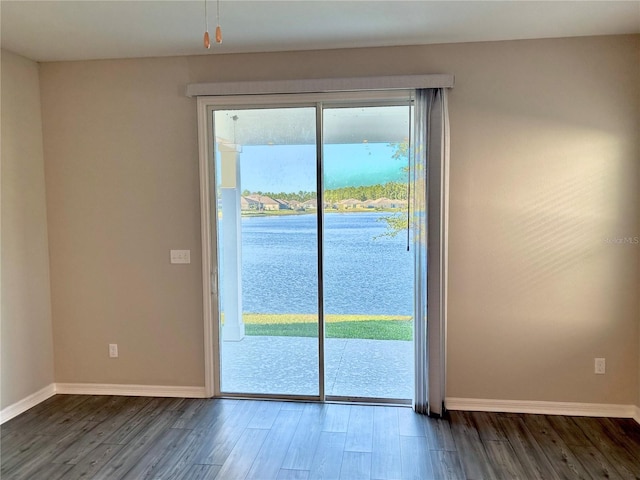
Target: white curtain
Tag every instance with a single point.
(430, 180)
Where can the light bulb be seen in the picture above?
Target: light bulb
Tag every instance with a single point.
(218, 34)
(207, 42)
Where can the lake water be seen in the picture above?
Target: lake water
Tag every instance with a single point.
(362, 274)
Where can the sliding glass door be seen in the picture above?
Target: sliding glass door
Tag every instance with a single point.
(266, 162)
(315, 279)
(368, 267)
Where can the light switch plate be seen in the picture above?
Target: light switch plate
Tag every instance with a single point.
(180, 256)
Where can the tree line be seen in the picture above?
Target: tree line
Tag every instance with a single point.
(391, 190)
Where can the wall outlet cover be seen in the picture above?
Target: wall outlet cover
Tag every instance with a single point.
(600, 366)
(180, 256)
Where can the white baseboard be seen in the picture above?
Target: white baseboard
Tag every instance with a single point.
(26, 403)
(546, 408)
(129, 390)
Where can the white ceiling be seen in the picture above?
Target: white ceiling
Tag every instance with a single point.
(94, 29)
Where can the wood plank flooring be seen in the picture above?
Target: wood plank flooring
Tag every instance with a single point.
(108, 437)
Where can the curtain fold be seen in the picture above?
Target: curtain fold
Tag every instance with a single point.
(430, 177)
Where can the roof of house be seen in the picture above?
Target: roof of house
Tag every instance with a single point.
(263, 199)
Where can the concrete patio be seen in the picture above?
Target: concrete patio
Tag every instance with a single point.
(289, 366)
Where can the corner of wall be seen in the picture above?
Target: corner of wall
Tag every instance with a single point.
(27, 331)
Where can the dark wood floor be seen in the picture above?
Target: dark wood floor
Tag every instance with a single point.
(103, 437)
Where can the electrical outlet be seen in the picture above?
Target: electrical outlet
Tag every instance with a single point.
(600, 366)
(113, 350)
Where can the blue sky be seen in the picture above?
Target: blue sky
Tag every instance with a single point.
(291, 168)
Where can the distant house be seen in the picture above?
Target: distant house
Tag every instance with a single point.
(370, 204)
(283, 204)
(296, 205)
(269, 203)
(382, 202)
(350, 203)
(264, 202)
(385, 202)
(310, 204)
(247, 203)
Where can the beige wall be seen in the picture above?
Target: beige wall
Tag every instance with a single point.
(123, 189)
(544, 168)
(27, 349)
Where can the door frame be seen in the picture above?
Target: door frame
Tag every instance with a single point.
(205, 107)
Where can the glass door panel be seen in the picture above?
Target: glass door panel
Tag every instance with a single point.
(267, 217)
(368, 271)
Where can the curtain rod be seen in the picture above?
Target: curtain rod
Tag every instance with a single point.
(321, 85)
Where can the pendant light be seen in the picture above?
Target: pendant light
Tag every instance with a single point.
(218, 29)
(218, 36)
(207, 41)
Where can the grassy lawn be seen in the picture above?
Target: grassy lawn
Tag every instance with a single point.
(375, 327)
